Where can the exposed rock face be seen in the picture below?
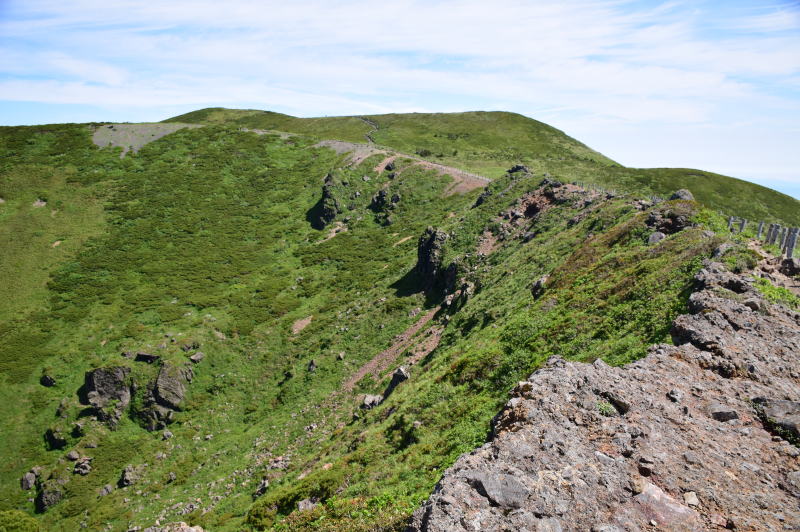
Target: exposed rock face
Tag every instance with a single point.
(147, 358)
(780, 416)
(174, 527)
(429, 255)
(28, 480)
(55, 439)
(83, 466)
(539, 286)
(47, 381)
(672, 441)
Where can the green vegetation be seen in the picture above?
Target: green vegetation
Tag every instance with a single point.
(606, 409)
(212, 236)
(488, 143)
(777, 294)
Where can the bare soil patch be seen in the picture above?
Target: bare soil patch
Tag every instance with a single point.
(301, 324)
(281, 134)
(381, 166)
(336, 228)
(131, 137)
(404, 239)
(487, 244)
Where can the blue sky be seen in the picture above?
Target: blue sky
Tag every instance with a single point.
(704, 84)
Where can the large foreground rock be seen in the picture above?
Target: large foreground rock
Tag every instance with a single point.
(674, 441)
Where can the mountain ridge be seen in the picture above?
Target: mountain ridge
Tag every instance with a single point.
(186, 323)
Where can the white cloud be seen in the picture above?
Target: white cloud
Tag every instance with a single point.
(609, 64)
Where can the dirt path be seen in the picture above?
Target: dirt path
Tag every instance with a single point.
(373, 125)
(463, 181)
(383, 360)
(301, 324)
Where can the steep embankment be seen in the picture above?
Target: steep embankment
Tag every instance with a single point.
(695, 436)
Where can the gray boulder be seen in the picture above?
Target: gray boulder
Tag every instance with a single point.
(147, 358)
(539, 286)
(501, 490)
(371, 401)
(656, 237)
(104, 385)
(682, 194)
(307, 504)
(83, 466)
(55, 439)
(130, 475)
(27, 481)
(170, 385)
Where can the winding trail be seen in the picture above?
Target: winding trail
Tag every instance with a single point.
(463, 181)
(373, 125)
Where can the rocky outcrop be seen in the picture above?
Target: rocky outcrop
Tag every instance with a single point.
(49, 495)
(330, 206)
(55, 438)
(165, 395)
(108, 390)
(675, 441)
(430, 251)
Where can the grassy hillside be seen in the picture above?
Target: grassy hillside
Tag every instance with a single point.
(209, 239)
(488, 143)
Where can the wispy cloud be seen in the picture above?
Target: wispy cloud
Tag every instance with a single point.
(609, 71)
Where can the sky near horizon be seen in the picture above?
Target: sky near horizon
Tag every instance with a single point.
(704, 84)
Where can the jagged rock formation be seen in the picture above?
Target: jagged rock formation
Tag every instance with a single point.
(691, 437)
(330, 204)
(430, 250)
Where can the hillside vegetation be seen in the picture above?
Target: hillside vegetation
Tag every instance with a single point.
(294, 272)
(488, 143)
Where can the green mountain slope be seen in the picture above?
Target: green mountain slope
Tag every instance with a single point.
(291, 267)
(488, 143)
